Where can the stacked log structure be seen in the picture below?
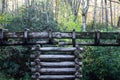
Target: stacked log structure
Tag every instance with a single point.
(63, 65)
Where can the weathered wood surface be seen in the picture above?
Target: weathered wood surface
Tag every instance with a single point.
(57, 71)
(56, 64)
(79, 35)
(59, 64)
(56, 58)
(90, 44)
(54, 70)
(59, 49)
(56, 77)
(60, 43)
(24, 38)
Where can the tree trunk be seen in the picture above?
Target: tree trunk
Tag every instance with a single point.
(102, 4)
(106, 14)
(94, 17)
(118, 24)
(83, 22)
(111, 13)
(84, 13)
(114, 15)
(3, 6)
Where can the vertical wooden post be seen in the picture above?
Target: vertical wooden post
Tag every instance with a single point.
(25, 35)
(73, 38)
(2, 30)
(97, 38)
(1, 36)
(50, 36)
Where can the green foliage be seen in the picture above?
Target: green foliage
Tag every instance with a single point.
(101, 63)
(99, 26)
(28, 18)
(68, 24)
(3, 77)
(14, 61)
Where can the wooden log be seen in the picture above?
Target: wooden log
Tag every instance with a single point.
(79, 35)
(56, 64)
(62, 35)
(89, 44)
(60, 43)
(56, 58)
(56, 77)
(55, 70)
(59, 49)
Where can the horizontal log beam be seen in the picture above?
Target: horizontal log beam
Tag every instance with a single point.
(89, 44)
(57, 64)
(59, 49)
(79, 35)
(63, 64)
(54, 70)
(57, 71)
(56, 58)
(56, 77)
(24, 38)
(61, 43)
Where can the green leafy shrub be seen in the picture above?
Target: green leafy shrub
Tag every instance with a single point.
(28, 18)
(101, 63)
(99, 26)
(15, 62)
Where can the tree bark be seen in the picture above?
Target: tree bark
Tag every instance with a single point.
(3, 6)
(94, 17)
(111, 14)
(102, 3)
(118, 24)
(114, 15)
(84, 13)
(106, 14)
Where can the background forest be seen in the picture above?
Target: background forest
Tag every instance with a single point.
(100, 63)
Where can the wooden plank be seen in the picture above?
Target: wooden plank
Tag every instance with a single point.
(13, 35)
(61, 43)
(67, 77)
(57, 49)
(38, 35)
(57, 56)
(68, 35)
(54, 71)
(57, 71)
(63, 64)
(56, 77)
(57, 64)
(62, 35)
(89, 44)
